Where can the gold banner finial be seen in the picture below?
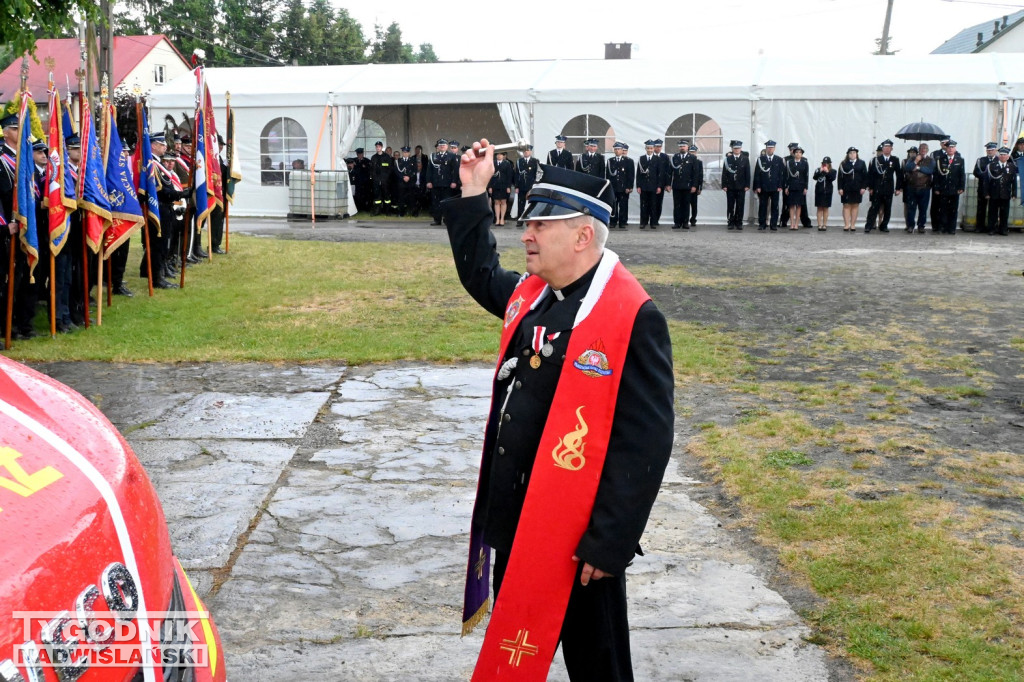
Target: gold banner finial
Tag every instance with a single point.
(24, 72)
(104, 87)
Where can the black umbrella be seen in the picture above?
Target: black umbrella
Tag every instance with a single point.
(921, 131)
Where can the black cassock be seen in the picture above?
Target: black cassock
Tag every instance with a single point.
(595, 636)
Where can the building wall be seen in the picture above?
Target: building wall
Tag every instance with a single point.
(162, 54)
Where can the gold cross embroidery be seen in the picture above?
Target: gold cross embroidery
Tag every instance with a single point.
(480, 565)
(517, 647)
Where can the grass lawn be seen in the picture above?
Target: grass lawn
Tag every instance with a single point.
(914, 585)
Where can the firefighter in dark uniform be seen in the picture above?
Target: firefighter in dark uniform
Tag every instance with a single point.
(362, 181)
(949, 182)
(666, 181)
(682, 184)
(622, 175)
(981, 216)
(648, 183)
(381, 165)
(439, 179)
(405, 181)
(591, 161)
(769, 172)
(560, 157)
(698, 176)
(454, 161)
(595, 632)
(526, 178)
(1000, 187)
(735, 183)
(885, 174)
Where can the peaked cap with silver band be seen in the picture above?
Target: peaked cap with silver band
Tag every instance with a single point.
(563, 193)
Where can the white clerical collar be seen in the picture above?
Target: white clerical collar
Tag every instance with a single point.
(558, 294)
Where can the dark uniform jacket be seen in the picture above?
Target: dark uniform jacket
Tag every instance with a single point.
(501, 180)
(769, 173)
(736, 171)
(562, 159)
(853, 176)
(621, 173)
(1000, 181)
(526, 174)
(648, 172)
(439, 170)
(882, 171)
(797, 176)
(381, 165)
(405, 167)
(979, 171)
(642, 431)
(591, 164)
(698, 172)
(666, 169)
(950, 177)
(682, 172)
(7, 183)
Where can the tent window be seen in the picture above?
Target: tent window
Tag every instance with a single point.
(700, 130)
(283, 147)
(370, 132)
(578, 129)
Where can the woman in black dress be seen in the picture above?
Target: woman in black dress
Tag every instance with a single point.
(824, 178)
(852, 182)
(500, 186)
(797, 174)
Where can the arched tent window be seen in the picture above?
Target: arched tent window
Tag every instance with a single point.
(370, 132)
(283, 146)
(701, 130)
(584, 126)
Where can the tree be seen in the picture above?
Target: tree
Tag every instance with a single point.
(21, 19)
(249, 32)
(388, 48)
(426, 55)
(292, 33)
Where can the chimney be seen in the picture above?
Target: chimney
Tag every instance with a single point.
(617, 50)
(981, 39)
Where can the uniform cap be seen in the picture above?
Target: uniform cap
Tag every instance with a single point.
(913, 150)
(887, 142)
(793, 145)
(798, 148)
(618, 145)
(991, 145)
(769, 143)
(9, 121)
(158, 137)
(73, 142)
(1004, 150)
(648, 143)
(878, 148)
(735, 144)
(827, 159)
(453, 143)
(186, 139)
(682, 143)
(566, 194)
(530, 147)
(406, 148)
(360, 150)
(625, 146)
(378, 143)
(659, 142)
(591, 142)
(560, 138)
(39, 146)
(694, 148)
(440, 142)
(852, 149)
(170, 154)
(951, 143)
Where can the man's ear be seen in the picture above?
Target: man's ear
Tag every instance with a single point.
(585, 237)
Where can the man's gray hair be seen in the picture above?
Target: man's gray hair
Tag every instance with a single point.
(600, 229)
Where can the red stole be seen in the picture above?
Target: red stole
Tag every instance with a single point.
(527, 620)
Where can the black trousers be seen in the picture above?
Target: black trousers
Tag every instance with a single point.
(382, 195)
(693, 207)
(216, 227)
(681, 199)
(4, 261)
(659, 202)
(25, 296)
(647, 206)
(595, 632)
(437, 195)
(981, 222)
(766, 198)
(946, 206)
(998, 212)
(881, 210)
(118, 262)
(805, 220)
(735, 203)
(62, 283)
(620, 212)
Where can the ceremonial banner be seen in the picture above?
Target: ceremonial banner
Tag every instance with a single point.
(25, 190)
(200, 195)
(125, 211)
(57, 200)
(92, 188)
(145, 174)
(234, 173)
(214, 181)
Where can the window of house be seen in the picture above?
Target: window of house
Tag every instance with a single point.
(702, 131)
(370, 132)
(283, 147)
(159, 74)
(584, 126)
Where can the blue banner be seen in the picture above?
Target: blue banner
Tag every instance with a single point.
(25, 192)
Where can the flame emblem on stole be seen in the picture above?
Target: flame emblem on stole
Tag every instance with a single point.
(568, 454)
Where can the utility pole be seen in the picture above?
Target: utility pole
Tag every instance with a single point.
(106, 62)
(883, 44)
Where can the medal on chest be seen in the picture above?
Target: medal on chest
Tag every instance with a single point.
(541, 345)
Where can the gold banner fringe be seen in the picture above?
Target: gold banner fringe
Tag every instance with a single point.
(474, 620)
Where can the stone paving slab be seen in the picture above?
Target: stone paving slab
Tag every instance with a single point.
(240, 417)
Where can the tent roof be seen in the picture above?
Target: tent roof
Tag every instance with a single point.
(975, 76)
(966, 41)
(128, 52)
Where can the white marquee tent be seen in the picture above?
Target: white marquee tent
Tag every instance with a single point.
(294, 117)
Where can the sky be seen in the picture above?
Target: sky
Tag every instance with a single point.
(664, 29)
